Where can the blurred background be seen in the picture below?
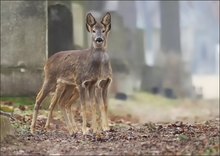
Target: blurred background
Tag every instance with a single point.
(162, 52)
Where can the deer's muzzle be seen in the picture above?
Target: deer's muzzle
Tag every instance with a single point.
(99, 40)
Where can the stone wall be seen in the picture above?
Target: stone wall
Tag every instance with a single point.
(23, 46)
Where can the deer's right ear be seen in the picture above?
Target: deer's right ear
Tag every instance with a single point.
(90, 21)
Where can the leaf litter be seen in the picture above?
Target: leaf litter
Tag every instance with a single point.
(124, 138)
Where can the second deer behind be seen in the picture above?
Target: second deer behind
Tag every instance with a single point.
(88, 71)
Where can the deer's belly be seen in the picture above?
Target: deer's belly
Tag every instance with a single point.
(97, 76)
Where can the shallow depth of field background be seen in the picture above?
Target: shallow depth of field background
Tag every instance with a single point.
(165, 55)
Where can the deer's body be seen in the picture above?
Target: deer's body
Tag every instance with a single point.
(85, 72)
(75, 67)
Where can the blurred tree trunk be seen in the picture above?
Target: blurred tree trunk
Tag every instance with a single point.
(174, 81)
(170, 26)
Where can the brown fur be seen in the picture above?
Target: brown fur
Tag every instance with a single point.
(87, 72)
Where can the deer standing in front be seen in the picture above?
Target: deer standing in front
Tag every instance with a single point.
(88, 72)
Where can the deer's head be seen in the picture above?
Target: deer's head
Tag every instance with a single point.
(99, 30)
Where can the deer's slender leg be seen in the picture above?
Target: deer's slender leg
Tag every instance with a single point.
(101, 106)
(93, 106)
(56, 98)
(105, 87)
(72, 116)
(63, 110)
(46, 88)
(69, 111)
(51, 108)
(83, 101)
(66, 95)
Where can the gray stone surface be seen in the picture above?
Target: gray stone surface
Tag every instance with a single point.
(5, 128)
(23, 44)
(20, 81)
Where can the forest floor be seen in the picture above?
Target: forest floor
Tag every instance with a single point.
(129, 134)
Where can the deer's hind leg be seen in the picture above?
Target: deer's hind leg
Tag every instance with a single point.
(63, 100)
(63, 110)
(70, 111)
(55, 99)
(46, 88)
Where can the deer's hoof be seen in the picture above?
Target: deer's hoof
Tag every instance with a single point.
(94, 129)
(73, 131)
(85, 131)
(32, 130)
(106, 128)
(47, 128)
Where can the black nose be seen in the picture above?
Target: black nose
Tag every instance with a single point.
(99, 39)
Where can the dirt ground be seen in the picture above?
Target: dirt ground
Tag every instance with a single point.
(155, 126)
(124, 138)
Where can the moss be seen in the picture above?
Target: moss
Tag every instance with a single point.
(19, 101)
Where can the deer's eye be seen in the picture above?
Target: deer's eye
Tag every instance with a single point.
(93, 31)
(103, 31)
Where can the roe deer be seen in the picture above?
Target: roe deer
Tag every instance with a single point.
(87, 71)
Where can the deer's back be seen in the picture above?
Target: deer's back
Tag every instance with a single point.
(63, 65)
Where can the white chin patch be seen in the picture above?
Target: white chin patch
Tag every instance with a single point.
(99, 42)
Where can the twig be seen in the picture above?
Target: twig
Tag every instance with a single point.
(6, 114)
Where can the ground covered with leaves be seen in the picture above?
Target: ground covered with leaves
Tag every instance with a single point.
(129, 135)
(124, 138)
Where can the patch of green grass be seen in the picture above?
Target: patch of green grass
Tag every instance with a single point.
(147, 98)
(19, 101)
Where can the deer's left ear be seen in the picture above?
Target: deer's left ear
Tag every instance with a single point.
(106, 21)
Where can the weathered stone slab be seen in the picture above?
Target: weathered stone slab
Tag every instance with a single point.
(23, 46)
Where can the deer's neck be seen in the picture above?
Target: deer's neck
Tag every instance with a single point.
(99, 56)
(98, 49)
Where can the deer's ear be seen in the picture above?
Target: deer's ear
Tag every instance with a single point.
(106, 21)
(90, 21)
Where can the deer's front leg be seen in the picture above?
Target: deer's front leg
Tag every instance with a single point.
(83, 101)
(93, 106)
(105, 85)
(99, 99)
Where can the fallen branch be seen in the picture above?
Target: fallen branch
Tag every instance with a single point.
(6, 114)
